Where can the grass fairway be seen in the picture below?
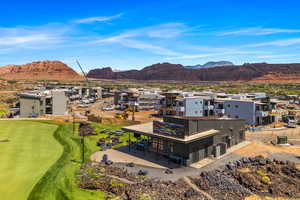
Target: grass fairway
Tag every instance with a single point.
(30, 152)
(42, 159)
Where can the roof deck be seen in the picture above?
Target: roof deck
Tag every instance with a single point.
(147, 129)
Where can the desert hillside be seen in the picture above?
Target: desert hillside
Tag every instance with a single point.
(247, 72)
(42, 70)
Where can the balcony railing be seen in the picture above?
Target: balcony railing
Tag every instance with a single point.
(262, 113)
(209, 107)
(219, 111)
(178, 108)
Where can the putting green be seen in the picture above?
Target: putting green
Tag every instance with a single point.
(30, 152)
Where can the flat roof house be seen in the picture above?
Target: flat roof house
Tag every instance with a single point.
(253, 112)
(187, 140)
(37, 103)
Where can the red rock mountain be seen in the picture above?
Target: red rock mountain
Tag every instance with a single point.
(42, 70)
(260, 72)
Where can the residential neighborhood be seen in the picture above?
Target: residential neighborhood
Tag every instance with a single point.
(150, 100)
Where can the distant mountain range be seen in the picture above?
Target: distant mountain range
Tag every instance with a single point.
(210, 64)
(258, 72)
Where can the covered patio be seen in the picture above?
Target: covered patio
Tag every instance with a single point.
(161, 147)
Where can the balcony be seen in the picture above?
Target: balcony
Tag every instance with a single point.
(157, 107)
(262, 113)
(219, 111)
(209, 107)
(178, 108)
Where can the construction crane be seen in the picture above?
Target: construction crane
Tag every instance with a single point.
(89, 88)
(84, 74)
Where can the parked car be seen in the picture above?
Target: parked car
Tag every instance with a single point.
(119, 132)
(82, 105)
(86, 101)
(109, 108)
(104, 131)
(292, 124)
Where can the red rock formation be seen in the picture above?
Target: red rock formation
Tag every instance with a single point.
(167, 71)
(42, 70)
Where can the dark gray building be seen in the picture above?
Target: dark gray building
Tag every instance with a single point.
(189, 139)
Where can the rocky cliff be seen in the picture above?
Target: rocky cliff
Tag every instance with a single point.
(168, 71)
(42, 70)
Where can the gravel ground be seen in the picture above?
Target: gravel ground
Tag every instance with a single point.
(285, 156)
(160, 173)
(190, 171)
(180, 172)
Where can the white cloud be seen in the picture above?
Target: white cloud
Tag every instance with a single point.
(258, 31)
(161, 31)
(192, 56)
(148, 47)
(215, 53)
(279, 56)
(17, 40)
(138, 44)
(144, 38)
(90, 20)
(168, 30)
(32, 37)
(279, 43)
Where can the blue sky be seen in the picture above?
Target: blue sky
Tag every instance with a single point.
(127, 34)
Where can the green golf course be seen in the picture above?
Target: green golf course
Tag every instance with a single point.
(41, 160)
(25, 158)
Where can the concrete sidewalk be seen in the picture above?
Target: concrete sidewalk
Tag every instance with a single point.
(207, 161)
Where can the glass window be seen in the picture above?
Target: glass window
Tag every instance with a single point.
(171, 146)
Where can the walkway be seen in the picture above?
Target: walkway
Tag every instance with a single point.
(122, 157)
(194, 187)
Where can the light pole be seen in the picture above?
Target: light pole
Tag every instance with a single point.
(73, 115)
(82, 142)
(135, 104)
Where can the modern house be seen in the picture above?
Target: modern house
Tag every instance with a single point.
(148, 100)
(126, 97)
(193, 107)
(49, 102)
(187, 140)
(253, 112)
(167, 103)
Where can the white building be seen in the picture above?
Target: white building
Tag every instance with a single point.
(254, 113)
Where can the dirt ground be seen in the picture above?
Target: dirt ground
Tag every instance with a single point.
(267, 136)
(142, 116)
(96, 110)
(256, 197)
(260, 148)
(261, 142)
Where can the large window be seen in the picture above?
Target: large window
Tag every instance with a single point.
(157, 144)
(171, 146)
